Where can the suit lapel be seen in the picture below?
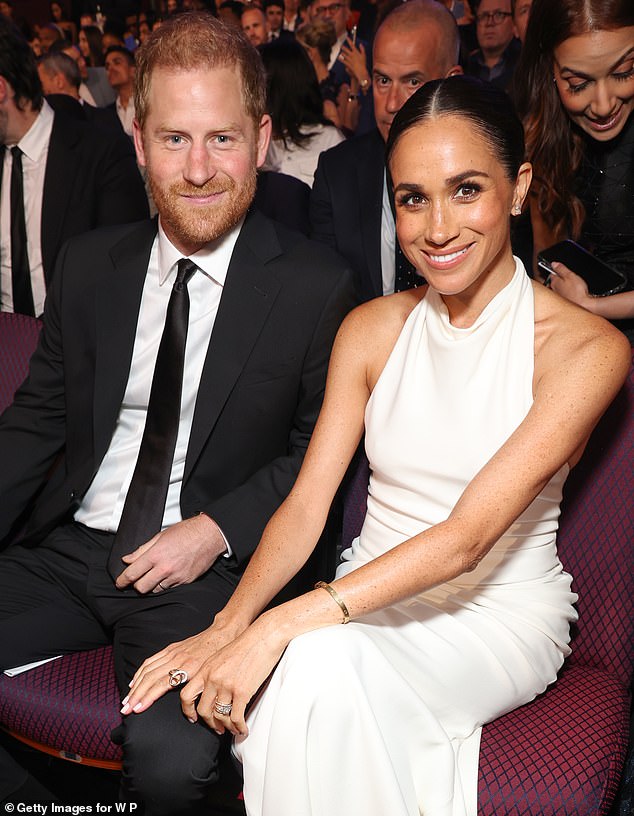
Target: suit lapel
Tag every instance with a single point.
(58, 186)
(118, 299)
(370, 173)
(247, 298)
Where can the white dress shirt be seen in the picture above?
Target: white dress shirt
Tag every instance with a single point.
(86, 96)
(126, 115)
(34, 145)
(102, 505)
(388, 242)
(336, 48)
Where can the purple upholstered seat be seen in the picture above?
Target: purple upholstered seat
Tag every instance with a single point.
(67, 707)
(18, 337)
(563, 753)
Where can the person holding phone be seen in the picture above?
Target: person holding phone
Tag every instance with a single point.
(457, 608)
(575, 93)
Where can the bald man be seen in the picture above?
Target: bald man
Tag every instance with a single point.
(350, 206)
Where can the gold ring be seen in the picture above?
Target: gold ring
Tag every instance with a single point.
(177, 677)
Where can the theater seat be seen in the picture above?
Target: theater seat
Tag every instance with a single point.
(67, 707)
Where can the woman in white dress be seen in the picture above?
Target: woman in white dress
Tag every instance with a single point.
(476, 393)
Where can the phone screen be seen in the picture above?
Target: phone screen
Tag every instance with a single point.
(600, 278)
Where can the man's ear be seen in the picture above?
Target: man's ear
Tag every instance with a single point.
(264, 137)
(137, 133)
(4, 90)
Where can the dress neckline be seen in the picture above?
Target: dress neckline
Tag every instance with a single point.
(495, 308)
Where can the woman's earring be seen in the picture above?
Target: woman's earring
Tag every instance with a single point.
(517, 210)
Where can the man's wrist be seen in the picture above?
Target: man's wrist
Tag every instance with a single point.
(214, 533)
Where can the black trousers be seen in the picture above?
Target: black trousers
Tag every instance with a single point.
(58, 598)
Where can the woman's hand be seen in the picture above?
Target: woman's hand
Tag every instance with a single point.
(571, 286)
(232, 677)
(353, 57)
(152, 679)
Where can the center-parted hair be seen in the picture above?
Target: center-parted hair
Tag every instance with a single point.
(488, 110)
(198, 41)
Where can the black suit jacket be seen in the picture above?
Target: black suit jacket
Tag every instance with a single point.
(283, 198)
(345, 207)
(91, 180)
(259, 396)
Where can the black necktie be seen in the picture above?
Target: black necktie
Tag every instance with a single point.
(20, 272)
(145, 502)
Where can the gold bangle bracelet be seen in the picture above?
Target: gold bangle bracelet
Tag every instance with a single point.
(336, 598)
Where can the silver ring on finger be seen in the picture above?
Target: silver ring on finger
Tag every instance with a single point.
(177, 677)
(162, 587)
(222, 708)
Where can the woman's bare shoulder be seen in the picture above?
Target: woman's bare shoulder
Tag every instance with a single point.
(384, 317)
(368, 334)
(373, 328)
(567, 335)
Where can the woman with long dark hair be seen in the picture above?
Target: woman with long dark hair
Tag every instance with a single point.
(575, 93)
(300, 129)
(90, 45)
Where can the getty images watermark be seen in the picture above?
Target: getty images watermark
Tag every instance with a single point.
(45, 810)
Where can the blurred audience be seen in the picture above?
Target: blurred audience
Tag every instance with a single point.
(95, 88)
(318, 37)
(300, 130)
(49, 34)
(274, 10)
(231, 12)
(255, 25)
(58, 16)
(498, 48)
(292, 17)
(120, 71)
(521, 13)
(73, 178)
(91, 45)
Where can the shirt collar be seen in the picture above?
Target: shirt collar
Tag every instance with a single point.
(35, 141)
(213, 259)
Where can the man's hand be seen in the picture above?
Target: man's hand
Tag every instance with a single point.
(177, 555)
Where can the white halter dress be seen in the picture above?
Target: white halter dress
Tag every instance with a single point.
(383, 717)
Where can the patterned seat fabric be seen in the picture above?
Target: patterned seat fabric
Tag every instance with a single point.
(18, 337)
(69, 705)
(563, 753)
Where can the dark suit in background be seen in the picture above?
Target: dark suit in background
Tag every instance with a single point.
(283, 198)
(345, 207)
(91, 180)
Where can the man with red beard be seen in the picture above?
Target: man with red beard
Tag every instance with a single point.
(178, 379)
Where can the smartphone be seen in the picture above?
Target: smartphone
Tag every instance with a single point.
(353, 35)
(601, 279)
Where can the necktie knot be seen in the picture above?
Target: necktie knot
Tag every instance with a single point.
(16, 153)
(186, 269)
